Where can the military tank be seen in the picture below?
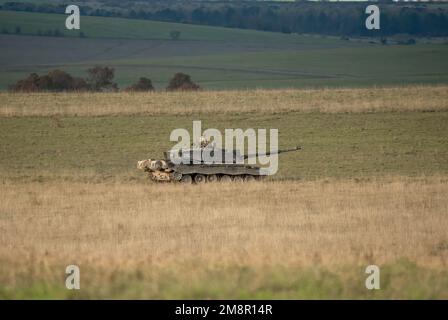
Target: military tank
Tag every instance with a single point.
(188, 166)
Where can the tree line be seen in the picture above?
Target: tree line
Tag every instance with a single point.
(329, 18)
(99, 79)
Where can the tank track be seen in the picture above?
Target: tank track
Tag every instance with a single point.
(198, 178)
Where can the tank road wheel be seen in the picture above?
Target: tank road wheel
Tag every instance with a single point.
(186, 178)
(212, 178)
(225, 178)
(199, 178)
(176, 176)
(249, 178)
(237, 179)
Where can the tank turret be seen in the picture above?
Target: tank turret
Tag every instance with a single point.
(256, 155)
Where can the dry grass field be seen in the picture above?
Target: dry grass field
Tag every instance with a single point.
(410, 98)
(369, 187)
(226, 240)
(256, 223)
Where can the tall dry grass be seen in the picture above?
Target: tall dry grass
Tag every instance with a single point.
(410, 98)
(256, 224)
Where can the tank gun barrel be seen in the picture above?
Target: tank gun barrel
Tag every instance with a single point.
(271, 152)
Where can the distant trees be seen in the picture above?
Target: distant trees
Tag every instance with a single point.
(322, 17)
(55, 80)
(143, 84)
(182, 82)
(31, 7)
(179, 82)
(31, 83)
(330, 18)
(99, 79)
(62, 81)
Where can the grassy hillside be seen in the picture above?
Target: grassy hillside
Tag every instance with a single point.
(217, 58)
(101, 27)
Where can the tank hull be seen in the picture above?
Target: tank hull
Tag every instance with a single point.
(218, 169)
(159, 171)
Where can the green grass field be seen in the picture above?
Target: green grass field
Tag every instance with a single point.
(334, 145)
(400, 280)
(334, 67)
